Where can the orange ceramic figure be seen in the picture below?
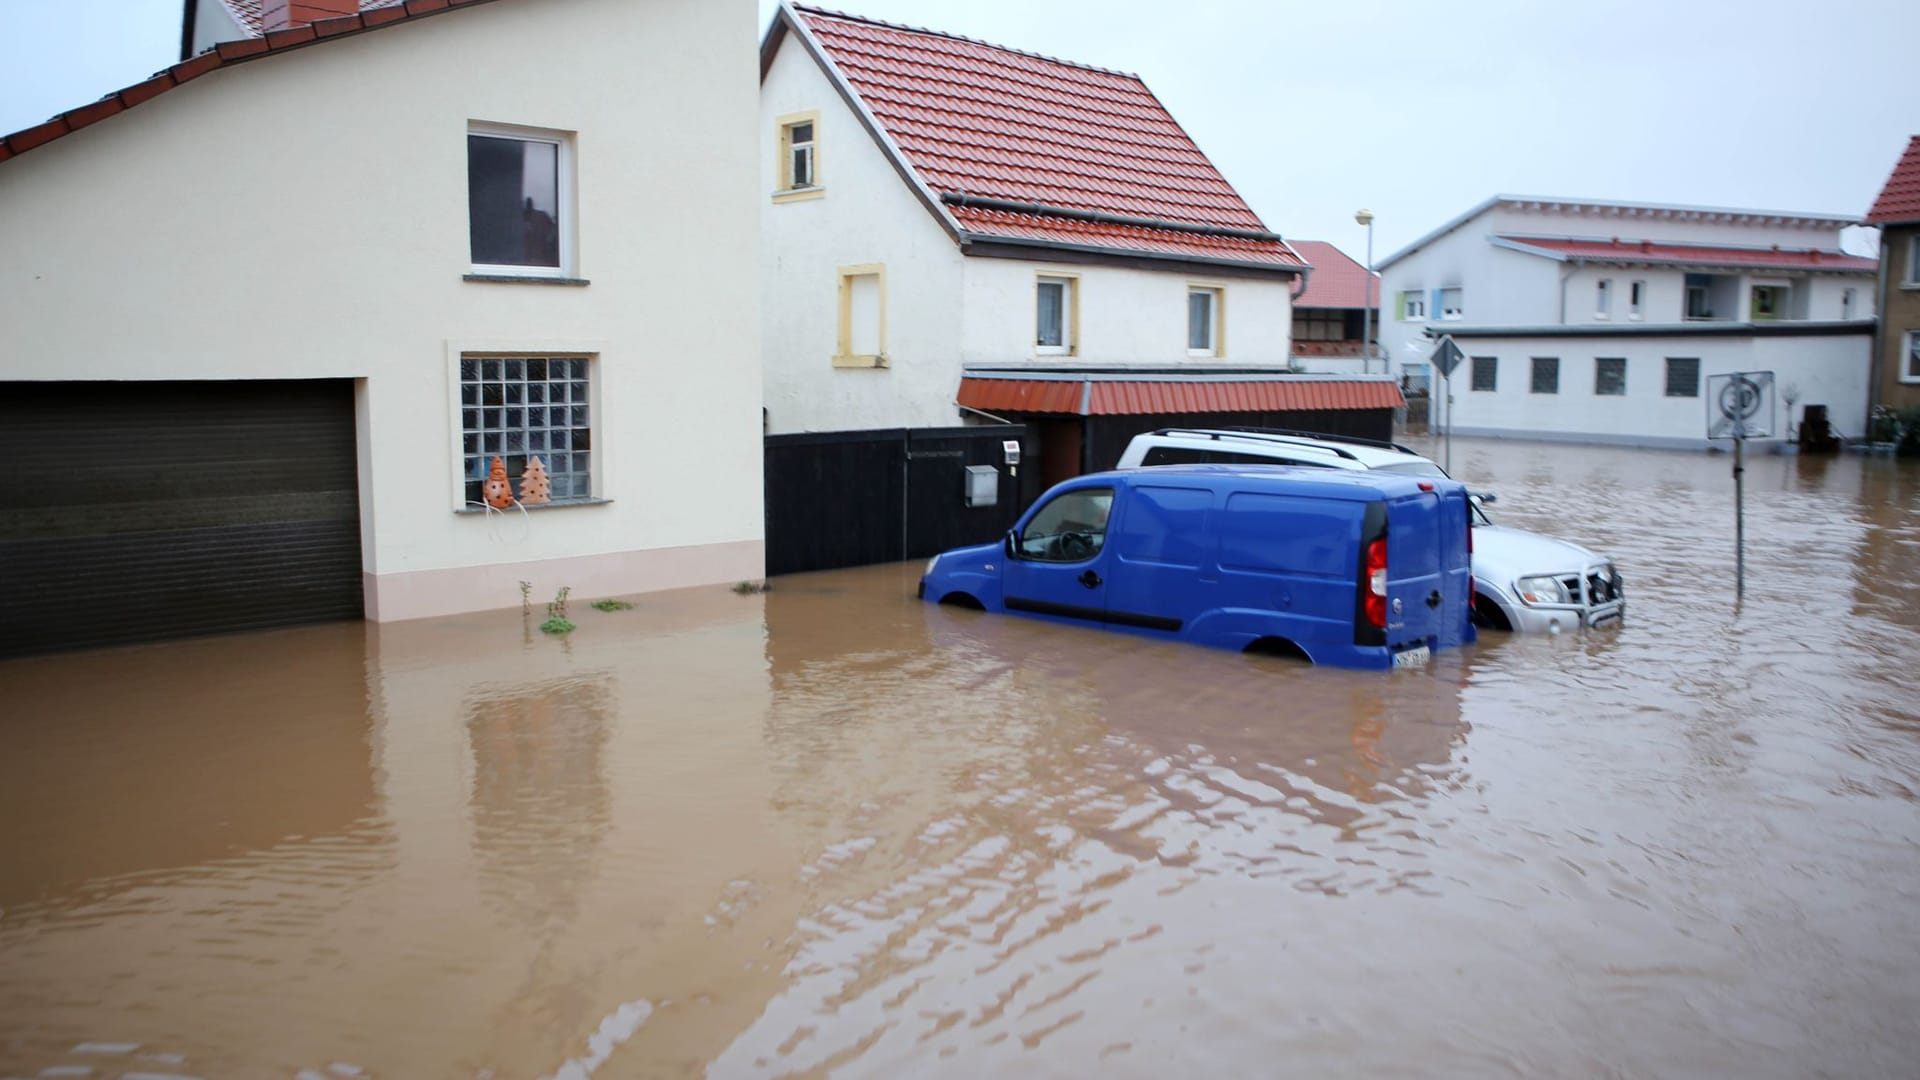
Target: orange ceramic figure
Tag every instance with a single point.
(535, 488)
(497, 492)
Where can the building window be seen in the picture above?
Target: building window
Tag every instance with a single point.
(1486, 372)
(1910, 364)
(862, 340)
(1610, 376)
(519, 201)
(1546, 375)
(1056, 322)
(1699, 296)
(1412, 306)
(799, 151)
(1913, 259)
(1452, 304)
(1603, 299)
(1847, 300)
(1683, 376)
(1204, 321)
(1636, 300)
(522, 408)
(1769, 302)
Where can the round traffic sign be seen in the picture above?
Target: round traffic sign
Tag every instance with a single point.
(1739, 398)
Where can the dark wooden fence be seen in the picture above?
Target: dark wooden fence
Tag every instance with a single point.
(852, 498)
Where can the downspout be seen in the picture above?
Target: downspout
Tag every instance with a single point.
(1086, 427)
(1573, 267)
(186, 29)
(1875, 362)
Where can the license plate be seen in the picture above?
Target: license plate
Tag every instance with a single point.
(1414, 657)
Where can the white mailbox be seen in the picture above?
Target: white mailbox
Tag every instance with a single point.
(983, 485)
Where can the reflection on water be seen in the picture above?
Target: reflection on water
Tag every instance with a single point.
(834, 830)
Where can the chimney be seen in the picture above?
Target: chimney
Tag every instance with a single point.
(286, 14)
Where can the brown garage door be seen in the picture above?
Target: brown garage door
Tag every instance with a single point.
(136, 511)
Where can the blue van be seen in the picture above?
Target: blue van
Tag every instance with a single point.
(1357, 569)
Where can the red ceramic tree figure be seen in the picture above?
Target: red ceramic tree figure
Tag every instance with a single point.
(534, 486)
(497, 492)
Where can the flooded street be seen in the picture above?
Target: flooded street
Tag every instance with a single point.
(833, 830)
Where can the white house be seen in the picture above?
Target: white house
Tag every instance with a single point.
(268, 330)
(1601, 321)
(957, 232)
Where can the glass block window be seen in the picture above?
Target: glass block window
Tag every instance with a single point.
(1610, 376)
(1485, 373)
(1683, 376)
(516, 407)
(1546, 375)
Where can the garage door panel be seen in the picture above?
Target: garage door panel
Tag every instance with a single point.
(159, 510)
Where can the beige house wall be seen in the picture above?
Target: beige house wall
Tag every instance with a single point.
(1900, 262)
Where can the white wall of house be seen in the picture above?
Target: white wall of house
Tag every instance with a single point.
(1825, 370)
(1127, 317)
(866, 215)
(259, 222)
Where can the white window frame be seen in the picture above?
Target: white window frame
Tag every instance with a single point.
(563, 198)
(1458, 312)
(1069, 315)
(1913, 261)
(1413, 303)
(1637, 299)
(1910, 358)
(1216, 322)
(1603, 298)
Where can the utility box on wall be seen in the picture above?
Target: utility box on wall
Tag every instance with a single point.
(983, 485)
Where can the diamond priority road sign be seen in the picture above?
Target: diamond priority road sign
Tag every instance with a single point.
(1447, 356)
(1740, 405)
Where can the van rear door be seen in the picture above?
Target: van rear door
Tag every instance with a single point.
(1427, 566)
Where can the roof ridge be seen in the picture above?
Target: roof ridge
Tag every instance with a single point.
(849, 17)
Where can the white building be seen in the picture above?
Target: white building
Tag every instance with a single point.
(953, 229)
(1601, 321)
(267, 331)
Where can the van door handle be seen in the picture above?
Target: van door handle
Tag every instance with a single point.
(1433, 598)
(1090, 579)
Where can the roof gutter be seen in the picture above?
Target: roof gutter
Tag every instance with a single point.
(1101, 217)
(969, 239)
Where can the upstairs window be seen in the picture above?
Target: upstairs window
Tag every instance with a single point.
(1412, 305)
(1610, 376)
(1913, 259)
(1055, 304)
(1683, 376)
(799, 152)
(1769, 302)
(1699, 299)
(862, 339)
(1636, 300)
(1847, 301)
(1204, 318)
(1486, 373)
(519, 201)
(1910, 362)
(1452, 304)
(1546, 375)
(1603, 299)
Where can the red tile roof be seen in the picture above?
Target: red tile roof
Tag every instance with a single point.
(228, 53)
(1096, 394)
(1643, 251)
(990, 122)
(1337, 281)
(248, 14)
(1899, 201)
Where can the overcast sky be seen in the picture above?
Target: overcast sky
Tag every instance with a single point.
(1415, 110)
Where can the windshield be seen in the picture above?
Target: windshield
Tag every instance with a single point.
(1424, 467)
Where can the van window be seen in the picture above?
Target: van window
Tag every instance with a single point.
(1185, 455)
(1166, 526)
(1289, 533)
(1072, 527)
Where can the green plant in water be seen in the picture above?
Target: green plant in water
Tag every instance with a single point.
(526, 598)
(556, 625)
(612, 605)
(749, 588)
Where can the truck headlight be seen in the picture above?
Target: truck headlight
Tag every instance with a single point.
(1545, 589)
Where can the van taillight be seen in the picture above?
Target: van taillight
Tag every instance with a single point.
(1376, 599)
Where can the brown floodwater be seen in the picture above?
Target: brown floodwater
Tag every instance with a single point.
(832, 830)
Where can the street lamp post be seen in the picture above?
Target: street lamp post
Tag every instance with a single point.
(1365, 217)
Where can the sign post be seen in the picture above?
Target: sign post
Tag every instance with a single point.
(1446, 357)
(1740, 407)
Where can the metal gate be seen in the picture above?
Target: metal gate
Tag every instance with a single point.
(853, 498)
(136, 511)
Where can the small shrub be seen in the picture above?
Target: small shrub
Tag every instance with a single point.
(556, 625)
(526, 601)
(612, 605)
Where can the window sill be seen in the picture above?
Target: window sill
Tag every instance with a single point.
(862, 361)
(799, 194)
(524, 279)
(568, 505)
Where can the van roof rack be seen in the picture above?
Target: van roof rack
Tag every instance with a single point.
(1314, 437)
(1259, 436)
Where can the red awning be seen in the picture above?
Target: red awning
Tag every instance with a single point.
(1094, 395)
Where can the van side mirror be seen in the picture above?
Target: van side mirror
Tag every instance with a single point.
(1010, 542)
(1483, 498)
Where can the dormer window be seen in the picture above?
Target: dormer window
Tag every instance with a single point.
(799, 156)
